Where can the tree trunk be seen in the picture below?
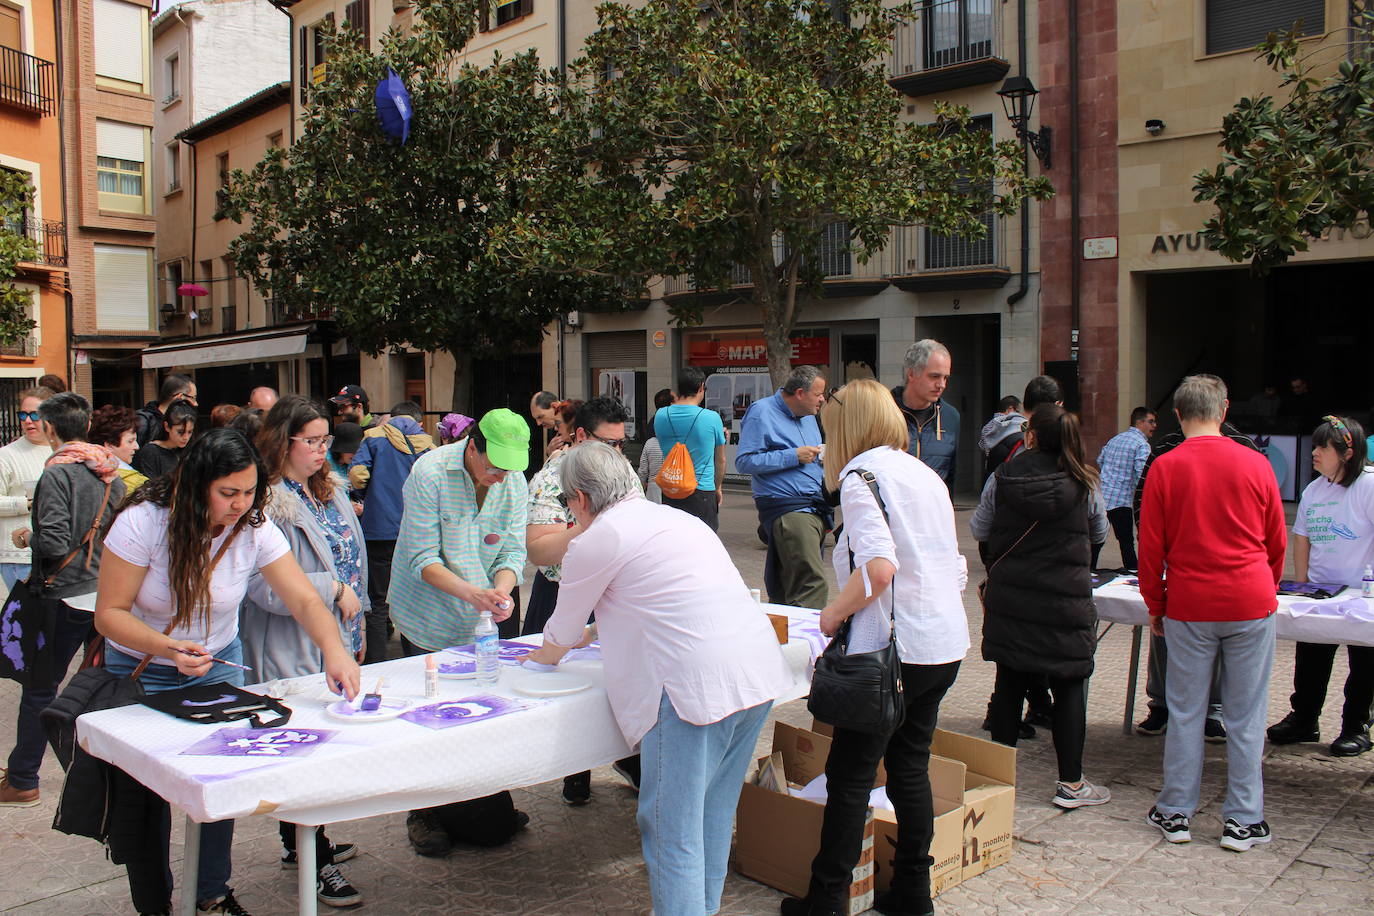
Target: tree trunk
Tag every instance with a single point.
(779, 303)
(462, 383)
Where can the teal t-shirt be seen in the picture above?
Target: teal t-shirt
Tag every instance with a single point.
(701, 429)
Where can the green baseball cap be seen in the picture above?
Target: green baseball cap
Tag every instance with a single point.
(508, 439)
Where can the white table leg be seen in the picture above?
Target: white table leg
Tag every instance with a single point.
(306, 870)
(190, 866)
(1132, 676)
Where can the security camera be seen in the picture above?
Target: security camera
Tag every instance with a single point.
(1153, 127)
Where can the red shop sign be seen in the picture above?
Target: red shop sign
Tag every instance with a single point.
(806, 351)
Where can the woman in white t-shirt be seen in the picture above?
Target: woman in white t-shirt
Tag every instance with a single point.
(1333, 541)
(177, 562)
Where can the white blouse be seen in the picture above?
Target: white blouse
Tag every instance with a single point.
(920, 540)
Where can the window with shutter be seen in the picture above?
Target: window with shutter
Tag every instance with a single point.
(121, 40)
(123, 288)
(615, 350)
(121, 166)
(357, 16)
(1235, 25)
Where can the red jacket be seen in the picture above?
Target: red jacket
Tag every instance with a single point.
(1211, 514)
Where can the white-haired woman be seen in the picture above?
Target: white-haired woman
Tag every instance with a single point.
(692, 666)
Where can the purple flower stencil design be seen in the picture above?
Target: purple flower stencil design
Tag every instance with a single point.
(465, 710)
(250, 742)
(11, 636)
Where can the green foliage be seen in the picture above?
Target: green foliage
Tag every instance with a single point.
(1293, 170)
(395, 240)
(697, 136)
(16, 195)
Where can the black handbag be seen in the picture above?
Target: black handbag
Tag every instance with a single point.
(28, 619)
(860, 691)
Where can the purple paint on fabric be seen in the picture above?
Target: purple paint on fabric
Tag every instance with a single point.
(589, 653)
(459, 666)
(464, 710)
(267, 742)
(11, 635)
(218, 701)
(509, 652)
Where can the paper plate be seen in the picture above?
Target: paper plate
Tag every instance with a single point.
(553, 684)
(345, 711)
(459, 669)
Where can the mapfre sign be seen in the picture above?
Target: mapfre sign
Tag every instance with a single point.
(806, 351)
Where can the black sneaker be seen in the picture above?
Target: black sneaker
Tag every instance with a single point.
(1238, 838)
(1041, 717)
(1293, 729)
(1156, 723)
(342, 853)
(1214, 731)
(577, 789)
(427, 835)
(226, 905)
(333, 888)
(1175, 827)
(628, 767)
(1351, 743)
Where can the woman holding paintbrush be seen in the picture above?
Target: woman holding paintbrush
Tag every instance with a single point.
(178, 559)
(311, 508)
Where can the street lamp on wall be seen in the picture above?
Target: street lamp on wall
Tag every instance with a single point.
(1018, 102)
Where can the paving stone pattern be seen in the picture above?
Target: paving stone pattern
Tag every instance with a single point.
(576, 861)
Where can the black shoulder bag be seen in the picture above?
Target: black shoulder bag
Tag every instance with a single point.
(860, 691)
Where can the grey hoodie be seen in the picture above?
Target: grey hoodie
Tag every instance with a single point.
(998, 428)
(65, 503)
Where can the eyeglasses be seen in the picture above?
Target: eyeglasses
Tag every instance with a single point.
(315, 443)
(28, 415)
(1336, 423)
(835, 396)
(613, 443)
(563, 498)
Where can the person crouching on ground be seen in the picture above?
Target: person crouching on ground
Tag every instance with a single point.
(692, 666)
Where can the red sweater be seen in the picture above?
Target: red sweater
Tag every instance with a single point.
(1211, 514)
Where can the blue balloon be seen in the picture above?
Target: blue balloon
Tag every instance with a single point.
(393, 107)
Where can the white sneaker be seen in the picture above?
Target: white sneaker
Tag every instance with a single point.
(1087, 793)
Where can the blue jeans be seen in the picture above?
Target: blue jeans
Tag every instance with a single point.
(30, 741)
(690, 785)
(216, 838)
(13, 572)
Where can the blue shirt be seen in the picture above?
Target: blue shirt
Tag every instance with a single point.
(769, 437)
(1121, 461)
(700, 429)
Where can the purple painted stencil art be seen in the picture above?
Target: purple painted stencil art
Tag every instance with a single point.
(510, 653)
(11, 634)
(464, 710)
(251, 742)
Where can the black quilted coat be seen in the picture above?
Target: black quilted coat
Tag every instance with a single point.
(1039, 609)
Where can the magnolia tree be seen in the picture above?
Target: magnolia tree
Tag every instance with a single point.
(1292, 170)
(395, 239)
(698, 137)
(16, 246)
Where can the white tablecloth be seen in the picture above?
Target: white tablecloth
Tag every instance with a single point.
(379, 768)
(1303, 619)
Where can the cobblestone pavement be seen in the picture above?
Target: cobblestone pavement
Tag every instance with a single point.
(586, 860)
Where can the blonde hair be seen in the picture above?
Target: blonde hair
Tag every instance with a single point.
(860, 416)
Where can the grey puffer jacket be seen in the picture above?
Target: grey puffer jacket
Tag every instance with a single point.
(274, 645)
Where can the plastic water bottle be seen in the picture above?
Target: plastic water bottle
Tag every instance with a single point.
(1367, 584)
(488, 647)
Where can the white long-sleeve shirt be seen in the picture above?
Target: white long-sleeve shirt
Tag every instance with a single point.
(672, 614)
(919, 539)
(21, 464)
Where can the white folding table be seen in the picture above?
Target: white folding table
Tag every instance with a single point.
(337, 780)
(1300, 619)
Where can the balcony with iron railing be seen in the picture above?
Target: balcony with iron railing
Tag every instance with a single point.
(27, 83)
(915, 259)
(49, 235)
(950, 44)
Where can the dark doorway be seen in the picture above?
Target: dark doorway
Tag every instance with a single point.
(975, 347)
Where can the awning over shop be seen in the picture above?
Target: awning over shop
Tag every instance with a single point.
(228, 349)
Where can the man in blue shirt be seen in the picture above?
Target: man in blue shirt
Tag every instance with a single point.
(780, 446)
(703, 433)
(933, 424)
(1121, 461)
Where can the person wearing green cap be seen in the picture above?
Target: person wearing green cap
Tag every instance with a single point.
(461, 551)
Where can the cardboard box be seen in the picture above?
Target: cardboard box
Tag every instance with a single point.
(989, 801)
(778, 835)
(989, 798)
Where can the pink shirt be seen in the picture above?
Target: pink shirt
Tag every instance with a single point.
(672, 614)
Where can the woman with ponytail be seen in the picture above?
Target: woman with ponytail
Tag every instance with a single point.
(1039, 515)
(178, 559)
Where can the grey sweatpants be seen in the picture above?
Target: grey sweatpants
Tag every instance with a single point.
(1246, 651)
(1157, 676)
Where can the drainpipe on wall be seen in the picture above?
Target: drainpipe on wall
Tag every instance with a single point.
(195, 194)
(62, 184)
(1075, 251)
(1024, 286)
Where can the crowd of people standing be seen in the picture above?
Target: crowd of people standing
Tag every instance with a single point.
(297, 538)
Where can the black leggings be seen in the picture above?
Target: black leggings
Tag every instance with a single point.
(1070, 715)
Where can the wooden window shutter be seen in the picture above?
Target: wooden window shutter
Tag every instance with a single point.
(303, 48)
